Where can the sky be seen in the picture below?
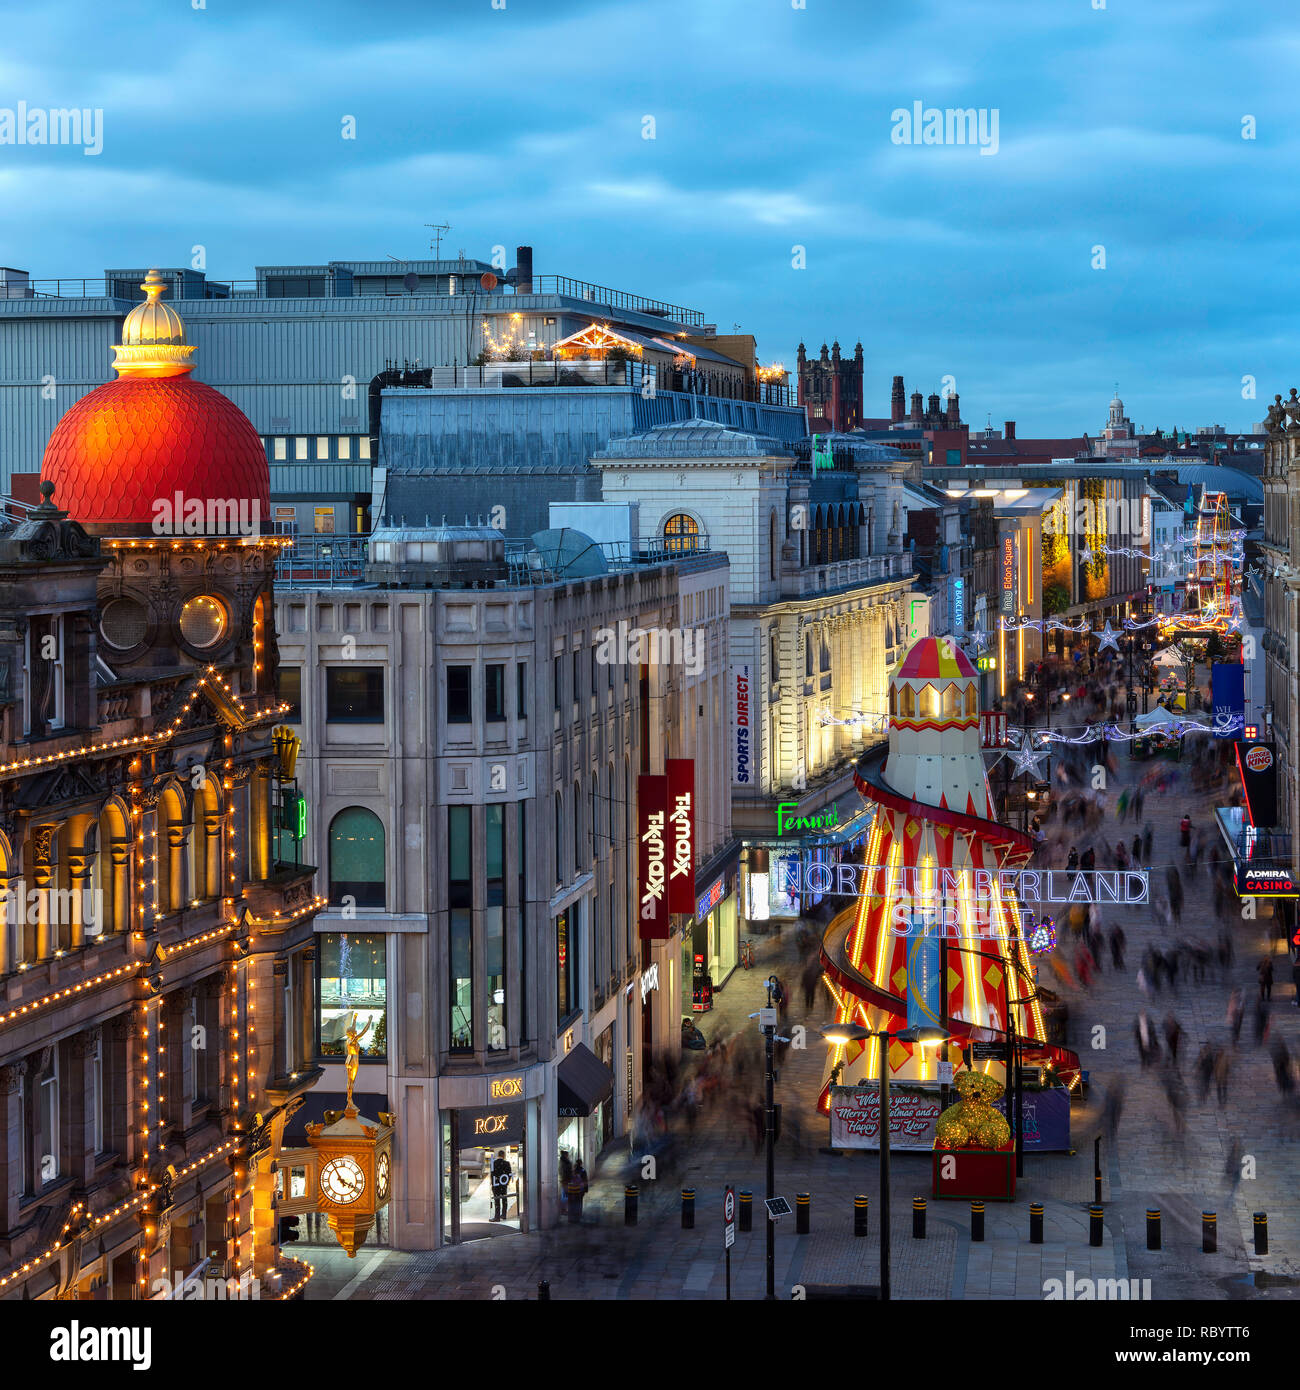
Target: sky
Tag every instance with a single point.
(1119, 231)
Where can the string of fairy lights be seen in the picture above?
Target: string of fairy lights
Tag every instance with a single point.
(148, 892)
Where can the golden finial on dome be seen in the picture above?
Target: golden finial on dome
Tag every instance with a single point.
(153, 336)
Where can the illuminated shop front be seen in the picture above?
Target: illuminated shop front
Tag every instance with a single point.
(710, 943)
(791, 876)
(475, 1142)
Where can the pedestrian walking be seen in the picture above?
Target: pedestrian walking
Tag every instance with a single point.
(1173, 1036)
(1073, 861)
(1265, 972)
(1147, 837)
(1204, 1071)
(1117, 946)
(1232, 1166)
(1089, 860)
(1282, 1068)
(1261, 1022)
(1236, 1013)
(1136, 849)
(566, 1177)
(1295, 980)
(1222, 1066)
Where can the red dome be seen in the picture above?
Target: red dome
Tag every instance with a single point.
(136, 440)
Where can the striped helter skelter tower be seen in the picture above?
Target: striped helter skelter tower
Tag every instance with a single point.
(934, 853)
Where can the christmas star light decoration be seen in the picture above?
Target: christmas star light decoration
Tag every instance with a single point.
(1086, 556)
(979, 638)
(1108, 637)
(1026, 758)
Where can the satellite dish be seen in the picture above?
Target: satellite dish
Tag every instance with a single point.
(563, 550)
(411, 281)
(488, 280)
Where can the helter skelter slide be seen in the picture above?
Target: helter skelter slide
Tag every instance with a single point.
(933, 868)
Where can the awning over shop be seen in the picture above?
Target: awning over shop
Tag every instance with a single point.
(317, 1102)
(584, 1080)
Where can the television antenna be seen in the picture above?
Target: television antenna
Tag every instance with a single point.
(435, 241)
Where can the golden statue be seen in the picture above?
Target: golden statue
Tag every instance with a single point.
(354, 1053)
(973, 1123)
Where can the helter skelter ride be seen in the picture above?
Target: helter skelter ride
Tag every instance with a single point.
(937, 866)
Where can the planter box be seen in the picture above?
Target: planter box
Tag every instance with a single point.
(986, 1173)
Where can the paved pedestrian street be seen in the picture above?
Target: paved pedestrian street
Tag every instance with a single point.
(1149, 1163)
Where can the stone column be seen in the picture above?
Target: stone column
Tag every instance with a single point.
(119, 868)
(78, 884)
(42, 841)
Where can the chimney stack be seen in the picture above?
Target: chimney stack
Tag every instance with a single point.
(954, 411)
(524, 267)
(897, 402)
(917, 407)
(933, 413)
(1008, 429)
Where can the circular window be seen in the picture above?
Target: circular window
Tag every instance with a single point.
(123, 623)
(203, 621)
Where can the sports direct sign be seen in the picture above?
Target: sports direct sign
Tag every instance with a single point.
(742, 748)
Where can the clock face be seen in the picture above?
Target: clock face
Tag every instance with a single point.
(342, 1180)
(382, 1177)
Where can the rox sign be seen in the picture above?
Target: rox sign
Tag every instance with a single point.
(666, 846)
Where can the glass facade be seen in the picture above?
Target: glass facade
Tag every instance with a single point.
(353, 981)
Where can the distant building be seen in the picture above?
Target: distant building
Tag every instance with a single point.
(830, 389)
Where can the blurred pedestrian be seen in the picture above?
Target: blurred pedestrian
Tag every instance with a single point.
(1173, 1036)
(1222, 1066)
(1282, 1068)
(1205, 1071)
(1261, 1022)
(1117, 946)
(1265, 972)
(1236, 1013)
(1136, 849)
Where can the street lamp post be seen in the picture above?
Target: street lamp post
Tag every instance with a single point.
(769, 1126)
(855, 1032)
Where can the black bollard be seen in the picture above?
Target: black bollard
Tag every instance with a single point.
(631, 1200)
(861, 1210)
(746, 1210)
(1096, 1169)
(688, 1208)
(1261, 1233)
(918, 1218)
(1095, 1227)
(977, 1220)
(802, 1213)
(544, 1291)
(1035, 1223)
(1209, 1232)
(1153, 1228)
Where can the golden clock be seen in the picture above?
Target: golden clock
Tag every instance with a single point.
(382, 1177)
(342, 1180)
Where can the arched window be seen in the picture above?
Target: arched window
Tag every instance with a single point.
(173, 852)
(907, 702)
(929, 702)
(356, 855)
(577, 829)
(113, 869)
(206, 838)
(681, 532)
(971, 698)
(951, 702)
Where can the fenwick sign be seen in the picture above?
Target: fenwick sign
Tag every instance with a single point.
(1120, 887)
(786, 820)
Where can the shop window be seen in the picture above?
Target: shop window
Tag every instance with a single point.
(356, 858)
(323, 521)
(354, 694)
(353, 982)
